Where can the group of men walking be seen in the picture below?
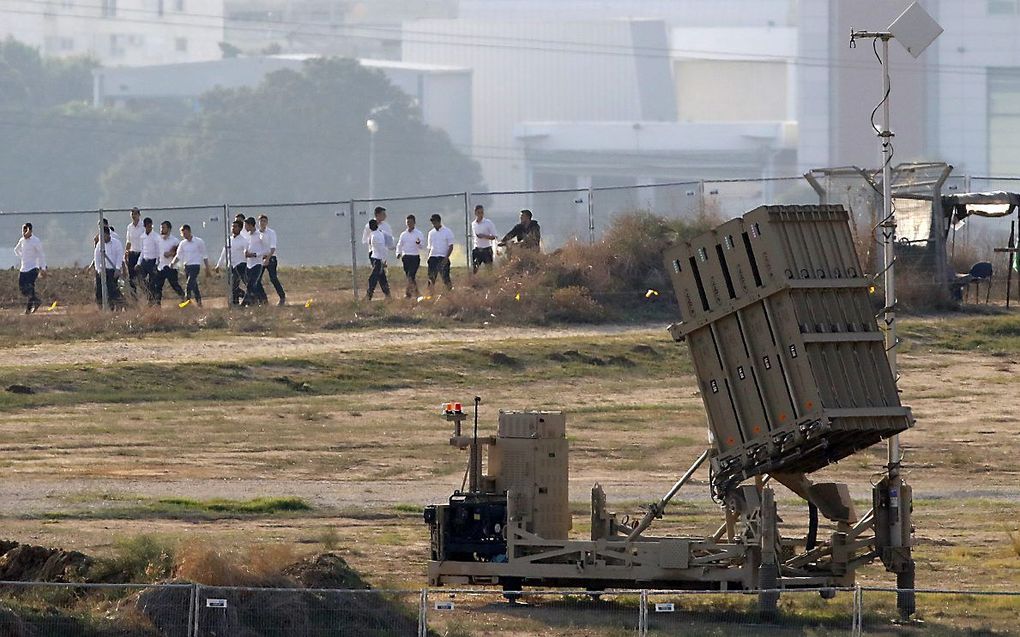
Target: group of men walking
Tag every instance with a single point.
(148, 260)
(438, 246)
(249, 254)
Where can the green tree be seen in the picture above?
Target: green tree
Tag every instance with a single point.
(56, 146)
(296, 137)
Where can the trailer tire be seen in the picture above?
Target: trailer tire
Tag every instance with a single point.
(768, 598)
(512, 589)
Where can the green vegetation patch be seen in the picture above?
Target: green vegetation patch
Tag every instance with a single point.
(385, 368)
(992, 334)
(257, 506)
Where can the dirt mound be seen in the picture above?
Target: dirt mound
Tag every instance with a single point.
(25, 563)
(326, 570)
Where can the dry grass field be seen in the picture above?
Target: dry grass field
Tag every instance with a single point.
(331, 439)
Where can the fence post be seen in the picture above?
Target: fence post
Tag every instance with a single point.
(643, 615)
(100, 268)
(227, 261)
(196, 595)
(191, 611)
(423, 613)
(859, 610)
(467, 229)
(354, 252)
(591, 215)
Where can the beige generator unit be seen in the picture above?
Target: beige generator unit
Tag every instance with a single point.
(528, 462)
(790, 361)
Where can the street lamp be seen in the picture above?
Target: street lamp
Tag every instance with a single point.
(373, 128)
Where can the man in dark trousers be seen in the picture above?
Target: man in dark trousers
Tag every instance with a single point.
(166, 250)
(237, 243)
(108, 261)
(149, 249)
(526, 234)
(409, 247)
(441, 242)
(269, 236)
(33, 264)
(133, 237)
(377, 254)
(255, 254)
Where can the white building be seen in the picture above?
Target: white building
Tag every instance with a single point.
(581, 71)
(959, 102)
(118, 32)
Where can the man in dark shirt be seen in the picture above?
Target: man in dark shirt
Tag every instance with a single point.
(526, 234)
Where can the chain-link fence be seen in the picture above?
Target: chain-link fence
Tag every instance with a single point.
(190, 610)
(562, 214)
(324, 239)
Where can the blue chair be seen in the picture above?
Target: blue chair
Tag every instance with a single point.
(980, 272)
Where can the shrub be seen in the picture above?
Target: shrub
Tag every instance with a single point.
(144, 558)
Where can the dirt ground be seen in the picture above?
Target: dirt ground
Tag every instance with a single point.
(83, 473)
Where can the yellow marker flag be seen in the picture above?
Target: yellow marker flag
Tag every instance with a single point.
(517, 297)
(53, 307)
(871, 289)
(184, 304)
(650, 293)
(308, 303)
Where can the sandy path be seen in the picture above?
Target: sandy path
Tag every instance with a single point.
(155, 349)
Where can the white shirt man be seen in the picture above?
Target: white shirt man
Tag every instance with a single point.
(257, 249)
(269, 236)
(33, 262)
(166, 244)
(150, 245)
(191, 251)
(107, 260)
(483, 231)
(114, 255)
(384, 227)
(133, 234)
(377, 245)
(441, 242)
(30, 251)
(237, 244)
(410, 243)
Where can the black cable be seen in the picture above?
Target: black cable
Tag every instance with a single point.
(812, 534)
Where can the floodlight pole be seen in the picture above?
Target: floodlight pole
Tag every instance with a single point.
(888, 228)
(894, 480)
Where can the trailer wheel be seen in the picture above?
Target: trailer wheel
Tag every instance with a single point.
(768, 580)
(595, 593)
(512, 589)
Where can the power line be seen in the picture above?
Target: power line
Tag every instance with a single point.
(512, 42)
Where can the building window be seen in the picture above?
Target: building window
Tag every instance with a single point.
(1003, 121)
(116, 45)
(999, 7)
(178, 5)
(181, 44)
(159, 8)
(109, 8)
